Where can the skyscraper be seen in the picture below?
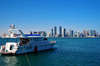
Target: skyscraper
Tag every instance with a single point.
(64, 32)
(94, 33)
(51, 32)
(60, 31)
(84, 33)
(44, 33)
(90, 33)
(75, 34)
(71, 33)
(97, 34)
(78, 34)
(55, 31)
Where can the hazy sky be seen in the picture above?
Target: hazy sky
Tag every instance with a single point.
(37, 15)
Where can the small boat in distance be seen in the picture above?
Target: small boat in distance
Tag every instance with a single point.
(26, 43)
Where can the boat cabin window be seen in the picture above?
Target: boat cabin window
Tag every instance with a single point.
(45, 39)
(37, 39)
(24, 41)
(11, 47)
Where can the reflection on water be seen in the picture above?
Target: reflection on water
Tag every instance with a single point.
(21, 60)
(9, 60)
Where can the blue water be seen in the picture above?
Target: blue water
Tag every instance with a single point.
(66, 52)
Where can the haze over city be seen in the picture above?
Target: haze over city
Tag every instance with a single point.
(42, 15)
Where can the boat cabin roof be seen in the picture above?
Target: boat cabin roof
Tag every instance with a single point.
(21, 34)
(31, 36)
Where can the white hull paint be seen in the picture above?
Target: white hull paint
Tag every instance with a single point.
(30, 48)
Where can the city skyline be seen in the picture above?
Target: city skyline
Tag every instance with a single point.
(63, 32)
(41, 15)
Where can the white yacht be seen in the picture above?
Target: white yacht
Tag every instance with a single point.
(24, 43)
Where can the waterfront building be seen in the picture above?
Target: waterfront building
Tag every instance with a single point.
(81, 34)
(48, 35)
(31, 32)
(94, 33)
(97, 34)
(55, 31)
(35, 32)
(44, 33)
(71, 33)
(40, 32)
(84, 33)
(91, 33)
(75, 34)
(78, 34)
(64, 32)
(67, 34)
(60, 31)
(87, 33)
(51, 32)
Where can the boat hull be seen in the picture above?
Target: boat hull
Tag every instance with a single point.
(33, 48)
(29, 48)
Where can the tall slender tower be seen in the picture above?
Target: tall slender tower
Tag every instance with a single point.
(71, 33)
(60, 31)
(91, 33)
(64, 32)
(94, 33)
(51, 32)
(55, 31)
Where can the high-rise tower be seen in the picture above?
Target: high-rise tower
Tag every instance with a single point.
(60, 31)
(51, 32)
(55, 31)
(64, 32)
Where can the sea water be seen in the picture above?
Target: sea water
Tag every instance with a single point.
(66, 52)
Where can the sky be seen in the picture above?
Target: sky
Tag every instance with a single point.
(42, 15)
